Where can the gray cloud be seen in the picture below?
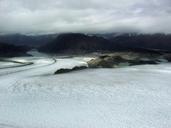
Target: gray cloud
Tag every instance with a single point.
(56, 16)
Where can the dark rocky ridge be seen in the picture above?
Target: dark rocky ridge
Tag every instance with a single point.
(77, 68)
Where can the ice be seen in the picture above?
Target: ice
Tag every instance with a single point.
(130, 97)
(8, 64)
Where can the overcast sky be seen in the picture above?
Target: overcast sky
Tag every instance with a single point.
(56, 16)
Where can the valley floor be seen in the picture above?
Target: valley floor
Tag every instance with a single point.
(130, 97)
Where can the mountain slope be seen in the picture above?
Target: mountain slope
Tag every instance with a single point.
(103, 42)
(28, 40)
(75, 42)
(9, 50)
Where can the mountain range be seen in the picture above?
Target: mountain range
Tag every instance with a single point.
(82, 43)
(76, 42)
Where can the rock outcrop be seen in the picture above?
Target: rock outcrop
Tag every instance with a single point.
(76, 68)
(121, 59)
(167, 57)
(124, 59)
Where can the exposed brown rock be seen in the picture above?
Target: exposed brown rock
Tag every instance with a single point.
(167, 57)
(123, 59)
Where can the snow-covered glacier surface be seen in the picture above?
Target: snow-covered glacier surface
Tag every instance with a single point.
(131, 97)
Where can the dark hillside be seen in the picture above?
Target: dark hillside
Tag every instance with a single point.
(8, 50)
(76, 43)
(123, 42)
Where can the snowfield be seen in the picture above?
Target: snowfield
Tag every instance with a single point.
(131, 97)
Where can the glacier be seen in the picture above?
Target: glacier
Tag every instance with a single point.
(130, 97)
